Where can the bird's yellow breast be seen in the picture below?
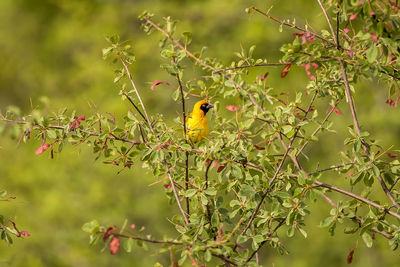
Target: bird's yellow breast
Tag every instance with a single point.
(196, 123)
(197, 127)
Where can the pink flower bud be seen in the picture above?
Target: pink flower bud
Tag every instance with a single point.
(232, 108)
(114, 245)
(42, 149)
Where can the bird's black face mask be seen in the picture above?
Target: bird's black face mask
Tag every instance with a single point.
(206, 107)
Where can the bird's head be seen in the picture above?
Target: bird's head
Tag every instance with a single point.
(202, 105)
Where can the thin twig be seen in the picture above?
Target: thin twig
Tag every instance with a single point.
(155, 241)
(331, 168)
(356, 218)
(176, 193)
(357, 197)
(224, 259)
(185, 134)
(395, 182)
(134, 105)
(291, 25)
(329, 23)
(269, 236)
(252, 66)
(137, 93)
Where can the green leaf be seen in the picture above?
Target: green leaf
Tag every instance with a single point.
(286, 129)
(52, 134)
(327, 221)
(368, 180)
(290, 231)
(258, 239)
(128, 245)
(203, 199)
(3, 194)
(241, 239)
(367, 239)
(234, 203)
(114, 39)
(372, 53)
(304, 233)
(350, 230)
(211, 191)
(187, 37)
(207, 256)
(182, 260)
(175, 95)
(190, 192)
(107, 51)
(91, 227)
(215, 219)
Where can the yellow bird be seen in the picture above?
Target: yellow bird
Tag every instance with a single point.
(196, 123)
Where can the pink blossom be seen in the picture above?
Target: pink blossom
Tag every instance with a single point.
(314, 65)
(310, 37)
(307, 68)
(76, 123)
(262, 78)
(42, 148)
(216, 163)
(396, 101)
(374, 38)
(155, 83)
(167, 186)
(353, 17)
(303, 40)
(232, 108)
(391, 155)
(336, 110)
(132, 226)
(371, 13)
(25, 233)
(80, 118)
(114, 245)
(346, 30)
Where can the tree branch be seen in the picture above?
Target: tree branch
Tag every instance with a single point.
(353, 110)
(291, 25)
(357, 197)
(185, 134)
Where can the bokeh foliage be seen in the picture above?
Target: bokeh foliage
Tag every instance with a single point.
(64, 63)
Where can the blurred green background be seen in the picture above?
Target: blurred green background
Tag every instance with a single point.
(53, 48)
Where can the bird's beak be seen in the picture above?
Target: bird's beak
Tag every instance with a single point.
(209, 106)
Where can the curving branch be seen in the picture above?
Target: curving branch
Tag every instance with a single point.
(353, 109)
